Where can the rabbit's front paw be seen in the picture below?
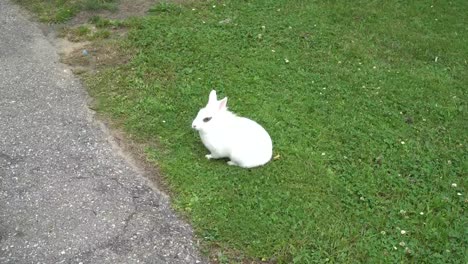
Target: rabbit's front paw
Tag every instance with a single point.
(231, 163)
(208, 156)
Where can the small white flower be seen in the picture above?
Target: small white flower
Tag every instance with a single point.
(395, 248)
(193, 9)
(273, 51)
(424, 119)
(402, 142)
(459, 194)
(382, 232)
(164, 121)
(278, 9)
(454, 185)
(323, 153)
(402, 244)
(286, 60)
(339, 62)
(402, 212)
(214, 6)
(362, 198)
(290, 27)
(403, 232)
(421, 213)
(263, 27)
(375, 67)
(449, 162)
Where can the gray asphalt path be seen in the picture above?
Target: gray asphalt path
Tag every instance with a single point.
(66, 196)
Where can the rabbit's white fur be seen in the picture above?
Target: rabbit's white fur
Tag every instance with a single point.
(225, 135)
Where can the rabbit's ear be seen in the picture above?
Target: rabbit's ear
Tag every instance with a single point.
(222, 105)
(212, 98)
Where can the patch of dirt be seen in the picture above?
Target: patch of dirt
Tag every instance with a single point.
(125, 9)
(90, 56)
(66, 47)
(84, 56)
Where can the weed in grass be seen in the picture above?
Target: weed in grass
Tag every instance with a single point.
(165, 7)
(85, 33)
(76, 34)
(101, 34)
(101, 22)
(82, 31)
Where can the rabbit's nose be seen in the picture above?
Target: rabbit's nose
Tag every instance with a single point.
(194, 126)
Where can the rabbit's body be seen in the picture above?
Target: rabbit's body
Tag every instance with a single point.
(225, 135)
(241, 140)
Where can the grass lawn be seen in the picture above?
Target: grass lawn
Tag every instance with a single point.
(366, 103)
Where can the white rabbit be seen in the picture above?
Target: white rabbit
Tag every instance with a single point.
(225, 135)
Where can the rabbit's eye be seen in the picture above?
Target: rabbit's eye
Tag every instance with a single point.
(206, 119)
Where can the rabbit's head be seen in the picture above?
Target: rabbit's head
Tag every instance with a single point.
(211, 114)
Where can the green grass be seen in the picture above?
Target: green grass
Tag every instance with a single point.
(101, 22)
(366, 105)
(366, 102)
(58, 11)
